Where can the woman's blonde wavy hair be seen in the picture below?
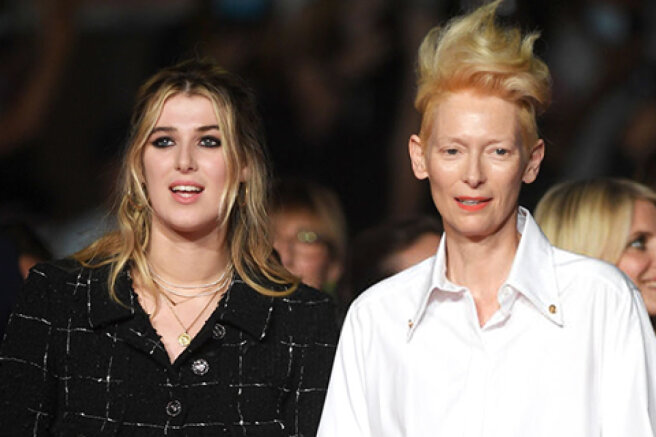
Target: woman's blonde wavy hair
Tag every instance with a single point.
(473, 53)
(243, 203)
(591, 217)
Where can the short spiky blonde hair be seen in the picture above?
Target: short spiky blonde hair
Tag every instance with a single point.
(591, 217)
(473, 53)
(243, 203)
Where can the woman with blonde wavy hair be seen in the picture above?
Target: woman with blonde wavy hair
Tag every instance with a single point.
(499, 333)
(607, 218)
(183, 321)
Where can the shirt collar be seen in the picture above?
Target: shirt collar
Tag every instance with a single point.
(532, 273)
(242, 306)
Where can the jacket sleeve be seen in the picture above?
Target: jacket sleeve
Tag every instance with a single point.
(27, 397)
(302, 408)
(629, 369)
(345, 412)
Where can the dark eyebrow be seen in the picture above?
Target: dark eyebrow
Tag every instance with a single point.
(172, 129)
(208, 127)
(162, 129)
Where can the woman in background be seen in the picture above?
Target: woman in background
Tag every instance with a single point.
(610, 219)
(182, 322)
(309, 231)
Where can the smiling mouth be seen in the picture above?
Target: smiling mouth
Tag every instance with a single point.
(472, 203)
(186, 190)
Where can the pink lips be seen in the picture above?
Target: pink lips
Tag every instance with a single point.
(185, 191)
(472, 203)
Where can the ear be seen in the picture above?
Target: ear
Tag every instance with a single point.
(534, 160)
(417, 157)
(244, 174)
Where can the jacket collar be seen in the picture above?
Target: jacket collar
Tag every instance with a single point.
(246, 309)
(242, 306)
(532, 274)
(103, 310)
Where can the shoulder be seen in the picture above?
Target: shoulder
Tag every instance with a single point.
(52, 273)
(305, 295)
(56, 269)
(307, 302)
(597, 286)
(59, 280)
(586, 272)
(66, 272)
(310, 311)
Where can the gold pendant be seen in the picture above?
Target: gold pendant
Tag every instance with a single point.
(184, 339)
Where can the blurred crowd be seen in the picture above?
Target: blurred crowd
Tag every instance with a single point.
(335, 82)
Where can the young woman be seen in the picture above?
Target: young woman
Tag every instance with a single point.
(181, 322)
(610, 219)
(500, 333)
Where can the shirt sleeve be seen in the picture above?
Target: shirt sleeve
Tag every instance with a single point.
(302, 409)
(650, 357)
(27, 398)
(345, 412)
(628, 372)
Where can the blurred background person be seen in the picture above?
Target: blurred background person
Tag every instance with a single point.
(610, 219)
(309, 231)
(386, 249)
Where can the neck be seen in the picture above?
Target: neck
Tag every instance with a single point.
(187, 259)
(481, 265)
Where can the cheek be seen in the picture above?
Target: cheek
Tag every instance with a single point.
(151, 168)
(633, 265)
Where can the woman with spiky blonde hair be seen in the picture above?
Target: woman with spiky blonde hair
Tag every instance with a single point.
(500, 333)
(182, 321)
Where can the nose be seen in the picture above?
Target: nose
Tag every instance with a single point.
(185, 159)
(474, 174)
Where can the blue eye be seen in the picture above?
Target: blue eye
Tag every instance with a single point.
(451, 151)
(210, 142)
(162, 142)
(639, 242)
(501, 152)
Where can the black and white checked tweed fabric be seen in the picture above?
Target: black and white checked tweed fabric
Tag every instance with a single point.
(75, 363)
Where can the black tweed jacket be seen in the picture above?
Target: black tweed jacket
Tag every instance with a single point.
(75, 363)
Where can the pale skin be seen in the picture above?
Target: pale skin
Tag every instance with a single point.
(187, 246)
(476, 162)
(639, 258)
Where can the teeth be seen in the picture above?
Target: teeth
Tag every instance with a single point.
(470, 202)
(186, 188)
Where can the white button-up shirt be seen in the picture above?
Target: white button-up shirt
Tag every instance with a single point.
(570, 352)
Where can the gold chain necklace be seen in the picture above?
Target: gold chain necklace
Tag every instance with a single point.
(223, 283)
(171, 287)
(184, 339)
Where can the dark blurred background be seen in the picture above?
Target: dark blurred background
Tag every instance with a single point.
(335, 81)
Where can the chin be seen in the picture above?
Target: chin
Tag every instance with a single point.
(194, 229)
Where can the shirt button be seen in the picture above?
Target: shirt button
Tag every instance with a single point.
(218, 332)
(173, 408)
(200, 367)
